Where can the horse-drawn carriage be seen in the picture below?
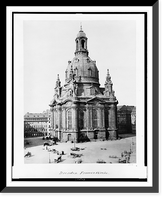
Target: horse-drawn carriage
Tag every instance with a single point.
(57, 158)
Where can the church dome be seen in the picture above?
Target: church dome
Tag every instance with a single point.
(84, 68)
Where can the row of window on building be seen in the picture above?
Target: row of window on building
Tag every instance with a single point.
(27, 124)
(38, 134)
(83, 121)
(37, 124)
(35, 119)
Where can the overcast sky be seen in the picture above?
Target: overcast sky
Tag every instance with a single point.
(49, 44)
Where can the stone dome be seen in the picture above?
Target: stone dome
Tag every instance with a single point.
(84, 68)
(81, 34)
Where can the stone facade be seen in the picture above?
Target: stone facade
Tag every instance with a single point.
(81, 110)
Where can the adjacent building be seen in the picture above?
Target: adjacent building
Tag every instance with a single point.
(37, 124)
(126, 119)
(81, 110)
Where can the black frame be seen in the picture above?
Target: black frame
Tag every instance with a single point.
(145, 100)
(156, 138)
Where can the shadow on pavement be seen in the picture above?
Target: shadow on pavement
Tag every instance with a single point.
(32, 142)
(123, 136)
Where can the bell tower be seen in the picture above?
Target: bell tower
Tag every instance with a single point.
(81, 43)
(58, 82)
(108, 85)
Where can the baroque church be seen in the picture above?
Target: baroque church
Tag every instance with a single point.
(81, 110)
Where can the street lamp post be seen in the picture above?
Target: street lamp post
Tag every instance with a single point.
(49, 158)
(74, 144)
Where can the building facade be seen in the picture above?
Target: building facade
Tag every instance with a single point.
(126, 119)
(37, 124)
(81, 110)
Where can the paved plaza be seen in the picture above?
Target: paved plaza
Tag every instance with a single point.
(90, 152)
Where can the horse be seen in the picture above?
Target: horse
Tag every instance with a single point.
(28, 154)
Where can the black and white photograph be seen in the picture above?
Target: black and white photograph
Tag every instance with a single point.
(80, 82)
(91, 114)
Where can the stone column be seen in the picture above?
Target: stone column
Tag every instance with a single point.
(113, 122)
(55, 119)
(90, 117)
(99, 118)
(63, 121)
(112, 118)
(103, 118)
(87, 117)
(76, 118)
(75, 121)
(73, 117)
(116, 125)
(65, 118)
(85, 44)
(79, 44)
(59, 121)
(52, 118)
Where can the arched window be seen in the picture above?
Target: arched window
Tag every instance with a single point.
(82, 43)
(69, 119)
(76, 71)
(77, 45)
(94, 118)
(89, 72)
(106, 118)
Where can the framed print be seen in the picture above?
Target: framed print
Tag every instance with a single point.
(82, 99)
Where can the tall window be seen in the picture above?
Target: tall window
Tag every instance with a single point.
(56, 120)
(82, 43)
(77, 45)
(106, 118)
(76, 71)
(92, 91)
(102, 118)
(69, 119)
(94, 118)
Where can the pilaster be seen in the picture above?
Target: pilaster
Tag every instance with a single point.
(52, 118)
(87, 117)
(75, 117)
(103, 118)
(112, 122)
(59, 114)
(65, 119)
(90, 117)
(99, 117)
(75, 121)
(55, 118)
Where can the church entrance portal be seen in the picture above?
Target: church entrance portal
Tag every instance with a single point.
(95, 134)
(69, 137)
